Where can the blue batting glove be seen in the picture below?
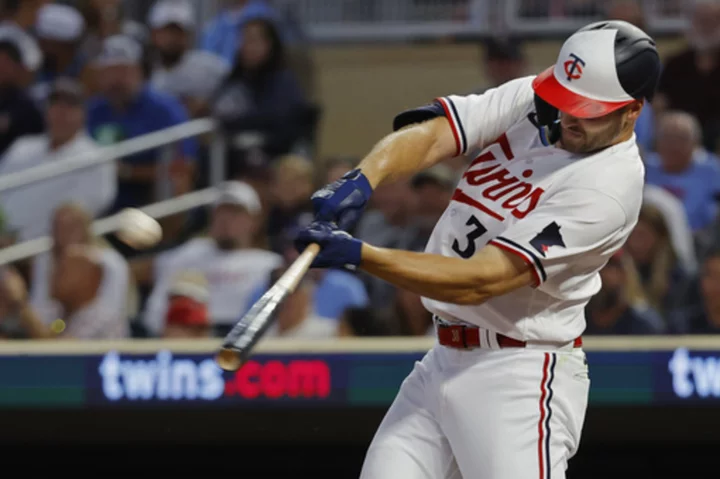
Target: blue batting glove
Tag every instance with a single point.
(338, 249)
(343, 201)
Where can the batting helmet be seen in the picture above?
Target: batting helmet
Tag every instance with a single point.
(601, 67)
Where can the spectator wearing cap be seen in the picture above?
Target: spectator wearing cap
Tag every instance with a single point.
(503, 61)
(221, 36)
(187, 314)
(128, 108)
(261, 95)
(104, 19)
(29, 208)
(19, 58)
(191, 75)
(433, 189)
(690, 79)
(59, 29)
(620, 308)
(232, 267)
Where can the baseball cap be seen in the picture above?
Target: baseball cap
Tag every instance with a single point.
(239, 193)
(503, 48)
(28, 50)
(59, 22)
(601, 68)
(190, 284)
(172, 12)
(119, 50)
(66, 88)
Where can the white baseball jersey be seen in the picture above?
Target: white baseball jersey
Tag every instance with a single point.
(564, 214)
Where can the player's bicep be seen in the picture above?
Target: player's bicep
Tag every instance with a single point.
(503, 271)
(429, 122)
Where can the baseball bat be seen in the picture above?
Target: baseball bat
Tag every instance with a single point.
(241, 339)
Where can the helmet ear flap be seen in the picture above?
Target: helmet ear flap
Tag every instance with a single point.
(548, 118)
(546, 113)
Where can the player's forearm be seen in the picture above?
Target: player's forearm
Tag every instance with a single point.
(451, 280)
(490, 273)
(408, 151)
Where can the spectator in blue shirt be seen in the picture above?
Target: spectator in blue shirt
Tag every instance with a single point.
(128, 108)
(222, 35)
(335, 292)
(682, 167)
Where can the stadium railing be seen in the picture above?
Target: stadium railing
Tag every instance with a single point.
(400, 20)
(168, 206)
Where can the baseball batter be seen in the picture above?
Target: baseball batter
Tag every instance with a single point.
(553, 190)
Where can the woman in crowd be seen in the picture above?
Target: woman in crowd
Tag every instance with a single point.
(261, 104)
(621, 306)
(664, 280)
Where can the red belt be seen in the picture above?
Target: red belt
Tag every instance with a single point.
(460, 336)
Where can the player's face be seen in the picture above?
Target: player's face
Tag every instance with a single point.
(586, 135)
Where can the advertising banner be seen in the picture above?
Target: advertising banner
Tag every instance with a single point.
(167, 379)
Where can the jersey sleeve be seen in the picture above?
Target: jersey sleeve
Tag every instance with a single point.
(567, 239)
(476, 119)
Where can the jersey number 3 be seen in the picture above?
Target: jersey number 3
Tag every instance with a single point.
(477, 231)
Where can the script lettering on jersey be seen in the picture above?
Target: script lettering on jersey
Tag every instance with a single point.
(499, 185)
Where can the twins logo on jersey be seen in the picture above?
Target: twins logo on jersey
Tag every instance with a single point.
(548, 237)
(503, 188)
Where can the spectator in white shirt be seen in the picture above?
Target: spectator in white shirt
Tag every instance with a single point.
(71, 229)
(191, 75)
(30, 208)
(232, 267)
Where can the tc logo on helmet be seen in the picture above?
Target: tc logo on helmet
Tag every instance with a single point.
(574, 67)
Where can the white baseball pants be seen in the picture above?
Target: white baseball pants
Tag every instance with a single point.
(484, 414)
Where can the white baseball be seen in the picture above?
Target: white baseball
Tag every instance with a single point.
(137, 229)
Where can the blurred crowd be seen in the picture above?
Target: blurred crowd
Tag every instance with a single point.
(79, 76)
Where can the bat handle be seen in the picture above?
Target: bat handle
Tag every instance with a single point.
(231, 358)
(294, 274)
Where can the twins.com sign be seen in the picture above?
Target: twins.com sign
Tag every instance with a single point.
(187, 378)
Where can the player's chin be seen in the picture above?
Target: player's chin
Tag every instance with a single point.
(573, 144)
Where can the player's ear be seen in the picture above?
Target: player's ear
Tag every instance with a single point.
(634, 109)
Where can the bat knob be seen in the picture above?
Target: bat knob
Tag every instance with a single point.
(228, 359)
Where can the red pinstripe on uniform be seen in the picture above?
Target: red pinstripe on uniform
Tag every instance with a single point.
(546, 394)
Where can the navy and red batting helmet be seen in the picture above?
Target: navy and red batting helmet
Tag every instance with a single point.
(601, 68)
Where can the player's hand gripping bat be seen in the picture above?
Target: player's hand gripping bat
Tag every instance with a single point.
(239, 342)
